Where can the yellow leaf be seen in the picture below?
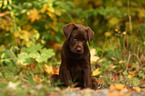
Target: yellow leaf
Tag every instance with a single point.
(96, 72)
(116, 30)
(93, 52)
(2, 47)
(119, 86)
(143, 90)
(3, 55)
(129, 76)
(141, 13)
(34, 15)
(23, 11)
(49, 69)
(108, 34)
(137, 89)
(51, 15)
(111, 88)
(116, 93)
(121, 61)
(42, 41)
(58, 12)
(50, 4)
(51, 10)
(125, 89)
(93, 57)
(1, 74)
(124, 33)
(113, 21)
(44, 8)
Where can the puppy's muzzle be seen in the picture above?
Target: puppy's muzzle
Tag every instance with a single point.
(79, 49)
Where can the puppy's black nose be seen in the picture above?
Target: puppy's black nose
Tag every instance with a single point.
(79, 49)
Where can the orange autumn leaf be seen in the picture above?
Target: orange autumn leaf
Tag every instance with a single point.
(99, 81)
(133, 73)
(34, 15)
(3, 13)
(56, 71)
(70, 88)
(115, 77)
(37, 79)
(129, 88)
(49, 69)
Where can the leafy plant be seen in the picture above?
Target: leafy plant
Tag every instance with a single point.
(34, 53)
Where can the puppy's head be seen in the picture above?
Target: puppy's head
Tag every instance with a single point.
(78, 35)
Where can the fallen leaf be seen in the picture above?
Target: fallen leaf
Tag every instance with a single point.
(48, 69)
(56, 71)
(121, 61)
(116, 93)
(119, 86)
(13, 85)
(129, 88)
(124, 89)
(96, 72)
(133, 73)
(129, 76)
(99, 81)
(111, 88)
(93, 57)
(143, 90)
(129, 66)
(70, 88)
(137, 89)
(37, 79)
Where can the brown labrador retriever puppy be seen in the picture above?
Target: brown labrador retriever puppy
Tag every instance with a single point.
(75, 55)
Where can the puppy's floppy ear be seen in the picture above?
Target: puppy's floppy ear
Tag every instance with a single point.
(90, 34)
(68, 28)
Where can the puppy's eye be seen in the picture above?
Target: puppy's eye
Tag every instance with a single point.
(84, 39)
(75, 37)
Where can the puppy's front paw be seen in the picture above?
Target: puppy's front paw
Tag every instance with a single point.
(94, 85)
(87, 85)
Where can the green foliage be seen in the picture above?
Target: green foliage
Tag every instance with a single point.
(35, 53)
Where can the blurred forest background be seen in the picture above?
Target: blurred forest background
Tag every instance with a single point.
(31, 38)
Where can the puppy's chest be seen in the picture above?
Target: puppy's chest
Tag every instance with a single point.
(76, 65)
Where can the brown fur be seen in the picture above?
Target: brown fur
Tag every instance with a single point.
(75, 55)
